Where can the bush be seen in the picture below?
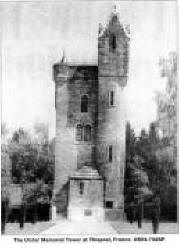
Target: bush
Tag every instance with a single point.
(169, 204)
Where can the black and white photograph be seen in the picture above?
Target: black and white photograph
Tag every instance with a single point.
(88, 118)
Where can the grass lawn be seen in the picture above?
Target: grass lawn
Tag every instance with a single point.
(29, 228)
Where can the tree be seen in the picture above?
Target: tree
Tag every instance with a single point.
(136, 184)
(157, 148)
(23, 157)
(5, 183)
(5, 173)
(130, 142)
(137, 180)
(167, 124)
(41, 135)
(32, 159)
(167, 103)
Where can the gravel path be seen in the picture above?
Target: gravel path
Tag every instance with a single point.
(66, 227)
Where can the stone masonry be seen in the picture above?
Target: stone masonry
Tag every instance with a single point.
(90, 117)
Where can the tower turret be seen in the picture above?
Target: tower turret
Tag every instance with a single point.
(61, 71)
(64, 134)
(113, 50)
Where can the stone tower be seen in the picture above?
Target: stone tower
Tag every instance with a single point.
(113, 50)
(90, 119)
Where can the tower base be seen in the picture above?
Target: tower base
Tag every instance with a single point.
(86, 214)
(114, 214)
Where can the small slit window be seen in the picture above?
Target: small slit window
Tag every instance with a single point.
(84, 103)
(81, 188)
(109, 204)
(111, 98)
(110, 153)
(79, 131)
(87, 133)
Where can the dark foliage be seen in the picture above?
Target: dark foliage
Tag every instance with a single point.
(150, 170)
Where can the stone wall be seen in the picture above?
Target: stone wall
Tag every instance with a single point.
(93, 193)
(69, 153)
(86, 195)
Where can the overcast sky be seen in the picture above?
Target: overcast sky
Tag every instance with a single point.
(35, 34)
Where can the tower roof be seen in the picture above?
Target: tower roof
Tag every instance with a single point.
(113, 20)
(115, 10)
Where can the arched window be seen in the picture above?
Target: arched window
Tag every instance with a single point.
(84, 103)
(79, 132)
(112, 42)
(87, 133)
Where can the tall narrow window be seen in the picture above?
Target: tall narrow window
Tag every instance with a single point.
(79, 131)
(111, 98)
(110, 153)
(84, 103)
(87, 133)
(112, 42)
(81, 188)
